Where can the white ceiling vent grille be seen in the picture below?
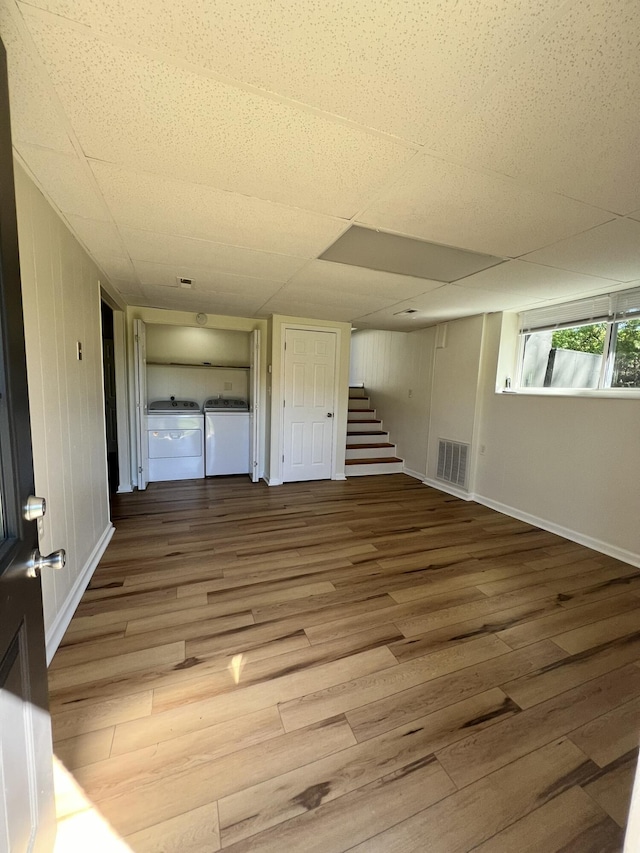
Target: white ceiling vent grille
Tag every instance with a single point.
(452, 462)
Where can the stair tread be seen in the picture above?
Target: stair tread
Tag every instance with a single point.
(364, 421)
(363, 446)
(369, 432)
(374, 461)
(361, 410)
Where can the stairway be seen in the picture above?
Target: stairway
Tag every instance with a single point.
(368, 448)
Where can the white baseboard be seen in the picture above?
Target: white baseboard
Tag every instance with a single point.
(573, 535)
(124, 490)
(415, 474)
(449, 489)
(339, 477)
(65, 614)
(273, 481)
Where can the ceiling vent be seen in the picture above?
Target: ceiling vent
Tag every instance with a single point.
(453, 460)
(187, 283)
(406, 311)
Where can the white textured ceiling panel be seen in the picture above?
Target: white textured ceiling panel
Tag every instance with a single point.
(450, 204)
(145, 114)
(445, 303)
(611, 251)
(117, 268)
(191, 300)
(533, 280)
(66, 180)
(182, 251)
(101, 238)
(568, 115)
(325, 277)
(318, 309)
(206, 281)
(402, 67)
(144, 201)
(34, 116)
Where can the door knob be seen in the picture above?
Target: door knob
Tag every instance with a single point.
(329, 414)
(35, 508)
(54, 560)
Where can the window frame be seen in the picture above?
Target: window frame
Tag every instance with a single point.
(623, 306)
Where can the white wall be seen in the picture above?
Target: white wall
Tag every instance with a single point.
(572, 462)
(390, 365)
(455, 388)
(61, 295)
(568, 464)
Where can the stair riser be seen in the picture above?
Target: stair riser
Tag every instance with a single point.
(375, 468)
(364, 428)
(370, 452)
(364, 403)
(357, 392)
(367, 438)
(355, 415)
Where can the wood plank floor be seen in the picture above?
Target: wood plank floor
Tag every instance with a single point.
(369, 665)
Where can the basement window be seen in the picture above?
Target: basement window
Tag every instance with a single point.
(587, 344)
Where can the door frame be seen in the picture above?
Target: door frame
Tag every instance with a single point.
(122, 387)
(338, 427)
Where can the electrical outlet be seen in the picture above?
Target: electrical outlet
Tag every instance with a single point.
(228, 386)
(410, 392)
(482, 449)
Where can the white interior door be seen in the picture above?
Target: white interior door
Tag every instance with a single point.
(309, 394)
(254, 387)
(140, 382)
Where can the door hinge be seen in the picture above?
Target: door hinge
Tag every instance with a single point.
(283, 457)
(139, 470)
(284, 403)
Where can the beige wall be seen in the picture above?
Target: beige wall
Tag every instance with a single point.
(573, 462)
(61, 294)
(391, 365)
(569, 464)
(455, 388)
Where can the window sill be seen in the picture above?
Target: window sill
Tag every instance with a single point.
(593, 393)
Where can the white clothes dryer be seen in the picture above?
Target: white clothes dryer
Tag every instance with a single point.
(227, 443)
(175, 437)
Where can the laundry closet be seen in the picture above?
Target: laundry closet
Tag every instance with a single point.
(196, 401)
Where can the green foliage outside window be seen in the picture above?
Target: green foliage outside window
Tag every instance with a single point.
(626, 370)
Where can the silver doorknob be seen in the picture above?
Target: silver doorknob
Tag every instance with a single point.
(34, 508)
(54, 560)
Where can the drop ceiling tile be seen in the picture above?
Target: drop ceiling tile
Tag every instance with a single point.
(183, 124)
(185, 300)
(325, 277)
(450, 204)
(100, 238)
(611, 251)
(204, 280)
(144, 201)
(314, 310)
(65, 180)
(117, 268)
(34, 116)
(568, 115)
(184, 251)
(399, 67)
(445, 303)
(533, 280)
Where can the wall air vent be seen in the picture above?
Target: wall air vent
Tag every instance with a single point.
(453, 460)
(185, 282)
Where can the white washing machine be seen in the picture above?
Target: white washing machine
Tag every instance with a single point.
(227, 447)
(175, 436)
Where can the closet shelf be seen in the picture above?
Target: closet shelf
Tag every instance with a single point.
(204, 365)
